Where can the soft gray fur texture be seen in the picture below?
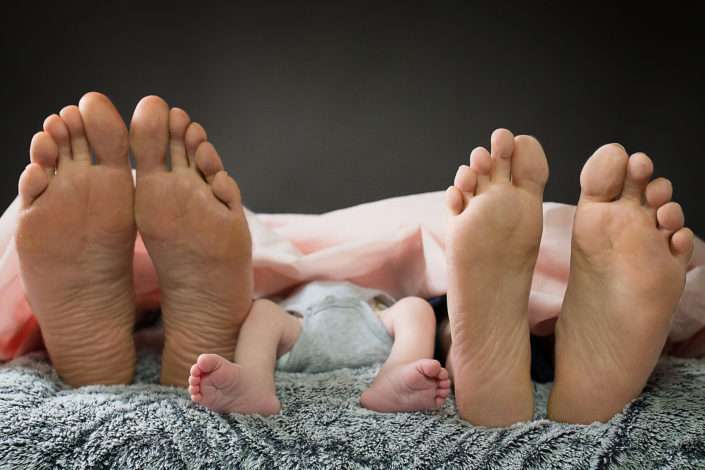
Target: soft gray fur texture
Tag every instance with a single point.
(46, 424)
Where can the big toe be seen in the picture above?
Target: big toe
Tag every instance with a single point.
(149, 135)
(209, 362)
(603, 175)
(429, 367)
(529, 164)
(105, 130)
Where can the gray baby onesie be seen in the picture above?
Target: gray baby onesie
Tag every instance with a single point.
(339, 329)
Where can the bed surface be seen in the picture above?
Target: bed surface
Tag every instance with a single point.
(46, 424)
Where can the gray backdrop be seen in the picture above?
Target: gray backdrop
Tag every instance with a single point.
(318, 107)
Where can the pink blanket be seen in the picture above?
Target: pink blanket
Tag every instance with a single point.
(395, 245)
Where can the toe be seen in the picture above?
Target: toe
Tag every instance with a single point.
(444, 392)
(56, 128)
(178, 123)
(195, 136)
(603, 174)
(670, 217)
(639, 170)
(682, 243)
(454, 201)
(207, 161)
(429, 367)
(208, 362)
(33, 182)
(464, 187)
(465, 179)
(43, 151)
(658, 192)
(225, 188)
(195, 371)
(149, 135)
(502, 148)
(80, 150)
(481, 163)
(105, 130)
(529, 164)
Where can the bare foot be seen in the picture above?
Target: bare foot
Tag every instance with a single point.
(75, 242)
(421, 385)
(627, 272)
(225, 387)
(193, 225)
(494, 226)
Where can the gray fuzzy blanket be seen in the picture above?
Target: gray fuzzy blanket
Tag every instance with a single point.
(46, 424)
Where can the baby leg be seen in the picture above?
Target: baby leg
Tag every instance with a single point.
(247, 385)
(409, 380)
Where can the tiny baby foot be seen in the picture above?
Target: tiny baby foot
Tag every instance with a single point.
(421, 385)
(225, 387)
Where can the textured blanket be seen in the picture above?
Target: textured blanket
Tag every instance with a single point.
(46, 424)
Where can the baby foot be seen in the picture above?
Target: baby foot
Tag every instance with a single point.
(494, 223)
(225, 387)
(75, 240)
(421, 385)
(627, 272)
(193, 225)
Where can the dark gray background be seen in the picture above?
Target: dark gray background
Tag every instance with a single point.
(315, 107)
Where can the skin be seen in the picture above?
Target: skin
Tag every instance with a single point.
(629, 257)
(75, 238)
(493, 231)
(76, 234)
(408, 380)
(193, 225)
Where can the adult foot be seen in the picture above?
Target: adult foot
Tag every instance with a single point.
(193, 225)
(627, 272)
(421, 385)
(75, 240)
(225, 387)
(494, 225)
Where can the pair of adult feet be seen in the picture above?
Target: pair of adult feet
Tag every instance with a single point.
(77, 228)
(627, 271)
